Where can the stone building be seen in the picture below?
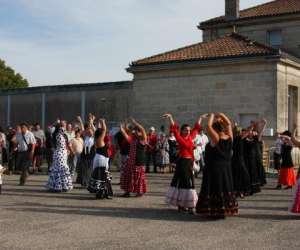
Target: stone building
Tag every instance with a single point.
(247, 66)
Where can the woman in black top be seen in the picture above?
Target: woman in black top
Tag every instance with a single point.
(133, 179)
(287, 173)
(217, 198)
(100, 181)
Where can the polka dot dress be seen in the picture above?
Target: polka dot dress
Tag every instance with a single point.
(59, 177)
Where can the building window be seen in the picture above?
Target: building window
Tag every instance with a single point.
(275, 38)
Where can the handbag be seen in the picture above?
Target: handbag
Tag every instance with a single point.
(29, 146)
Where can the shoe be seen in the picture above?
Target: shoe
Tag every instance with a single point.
(139, 195)
(278, 187)
(288, 187)
(125, 195)
(191, 211)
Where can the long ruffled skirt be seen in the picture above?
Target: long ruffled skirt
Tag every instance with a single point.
(59, 174)
(182, 190)
(287, 176)
(295, 206)
(133, 180)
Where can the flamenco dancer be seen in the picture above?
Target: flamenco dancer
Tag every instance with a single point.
(217, 198)
(182, 191)
(100, 181)
(133, 179)
(286, 174)
(253, 156)
(59, 177)
(261, 126)
(295, 205)
(240, 174)
(85, 164)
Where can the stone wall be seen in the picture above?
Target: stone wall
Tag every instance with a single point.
(234, 88)
(45, 104)
(259, 32)
(286, 76)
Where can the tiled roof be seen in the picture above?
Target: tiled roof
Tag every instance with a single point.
(230, 46)
(274, 8)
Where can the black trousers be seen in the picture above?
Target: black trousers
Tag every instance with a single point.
(23, 163)
(151, 157)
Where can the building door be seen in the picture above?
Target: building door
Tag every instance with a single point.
(293, 108)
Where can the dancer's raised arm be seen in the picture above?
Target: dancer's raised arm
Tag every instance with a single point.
(214, 136)
(170, 118)
(80, 123)
(141, 128)
(227, 124)
(124, 133)
(100, 138)
(294, 140)
(261, 129)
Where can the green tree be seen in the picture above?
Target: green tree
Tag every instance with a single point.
(9, 79)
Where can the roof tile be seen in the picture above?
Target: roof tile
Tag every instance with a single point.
(233, 45)
(274, 8)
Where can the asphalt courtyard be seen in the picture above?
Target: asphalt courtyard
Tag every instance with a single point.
(31, 218)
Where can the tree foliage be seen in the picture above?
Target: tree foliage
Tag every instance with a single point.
(9, 79)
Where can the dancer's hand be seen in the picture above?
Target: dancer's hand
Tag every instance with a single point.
(167, 115)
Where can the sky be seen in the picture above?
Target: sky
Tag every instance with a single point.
(54, 42)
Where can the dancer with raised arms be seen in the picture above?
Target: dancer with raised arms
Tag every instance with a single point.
(217, 198)
(182, 191)
(133, 179)
(100, 181)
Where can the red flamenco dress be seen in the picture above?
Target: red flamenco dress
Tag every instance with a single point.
(295, 206)
(287, 173)
(181, 192)
(133, 179)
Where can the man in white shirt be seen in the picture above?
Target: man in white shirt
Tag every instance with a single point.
(26, 145)
(203, 141)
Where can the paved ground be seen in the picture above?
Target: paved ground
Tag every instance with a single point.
(31, 218)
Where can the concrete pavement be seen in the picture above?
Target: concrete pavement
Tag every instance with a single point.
(31, 218)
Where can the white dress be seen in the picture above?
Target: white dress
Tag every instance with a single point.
(59, 177)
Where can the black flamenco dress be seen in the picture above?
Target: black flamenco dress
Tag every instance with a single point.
(100, 181)
(259, 158)
(241, 177)
(217, 196)
(251, 160)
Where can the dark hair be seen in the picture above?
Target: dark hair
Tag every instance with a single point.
(58, 126)
(77, 131)
(287, 133)
(36, 124)
(218, 126)
(184, 126)
(24, 124)
(162, 128)
(98, 133)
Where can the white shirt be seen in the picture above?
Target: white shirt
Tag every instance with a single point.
(278, 145)
(1, 172)
(70, 135)
(29, 137)
(203, 140)
(88, 144)
(3, 140)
